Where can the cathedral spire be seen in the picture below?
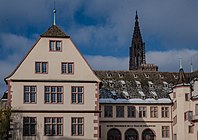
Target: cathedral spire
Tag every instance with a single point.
(137, 49)
(182, 77)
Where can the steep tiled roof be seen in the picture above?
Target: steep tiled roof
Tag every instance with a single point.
(138, 84)
(55, 31)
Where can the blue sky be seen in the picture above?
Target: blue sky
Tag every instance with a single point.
(102, 30)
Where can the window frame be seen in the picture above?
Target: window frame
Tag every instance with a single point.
(29, 92)
(131, 113)
(55, 45)
(154, 112)
(30, 125)
(109, 112)
(50, 92)
(120, 110)
(41, 71)
(51, 126)
(66, 69)
(142, 111)
(77, 95)
(165, 132)
(164, 112)
(77, 126)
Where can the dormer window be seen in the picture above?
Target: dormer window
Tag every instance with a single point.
(121, 75)
(135, 75)
(150, 84)
(165, 84)
(111, 84)
(161, 76)
(147, 75)
(109, 75)
(175, 76)
(138, 84)
(55, 45)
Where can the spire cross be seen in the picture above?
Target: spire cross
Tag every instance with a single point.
(54, 11)
(180, 63)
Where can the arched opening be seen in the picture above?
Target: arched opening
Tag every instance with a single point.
(131, 134)
(114, 134)
(148, 134)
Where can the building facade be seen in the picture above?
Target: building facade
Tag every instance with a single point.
(54, 94)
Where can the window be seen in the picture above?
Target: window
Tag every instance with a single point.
(131, 111)
(187, 97)
(188, 115)
(53, 126)
(154, 112)
(175, 120)
(67, 68)
(119, 111)
(53, 94)
(165, 132)
(142, 112)
(77, 126)
(174, 105)
(29, 126)
(190, 129)
(77, 95)
(108, 111)
(55, 45)
(41, 67)
(196, 109)
(174, 94)
(29, 94)
(165, 112)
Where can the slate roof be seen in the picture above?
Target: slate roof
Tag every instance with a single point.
(138, 84)
(55, 31)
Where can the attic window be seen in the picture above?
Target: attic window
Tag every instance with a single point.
(55, 45)
(165, 84)
(138, 84)
(111, 84)
(161, 76)
(142, 94)
(154, 94)
(126, 94)
(150, 84)
(121, 75)
(135, 75)
(147, 75)
(123, 84)
(109, 75)
(175, 76)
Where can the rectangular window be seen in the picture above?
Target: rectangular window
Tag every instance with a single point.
(67, 68)
(29, 126)
(77, 126)
(55, 45)
(29, 94)
(175, 120)
(53, 126)
(119, 111)
(142, 112)
(190, 129)
(41, 67)
(165, 112)
(196, 109)
(154, 112)
(131, 111)
(188, 115)
(108, 111)
(77, 95)
(53, 94)
(187, 97)
(165, 132)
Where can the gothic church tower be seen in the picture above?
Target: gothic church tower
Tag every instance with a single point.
(137, 49)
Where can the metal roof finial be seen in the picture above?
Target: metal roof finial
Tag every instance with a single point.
(54, 11)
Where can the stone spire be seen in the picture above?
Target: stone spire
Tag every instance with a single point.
(182, 77)
(137, 49)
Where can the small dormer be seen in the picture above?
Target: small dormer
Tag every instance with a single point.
(161, 76)
(165, 84)
(126, 94)
(121, 75)
(123, 83)
(150, 84)
(109, 75)
(135, 75)
(147, 75)
(138, 84)
(142, 94)
(111, 84)
(175, 76)
(154, 94)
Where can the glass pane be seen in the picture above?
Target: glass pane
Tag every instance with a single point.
(53, 97)
(64, 68)
(52, 46)
(47, 97)
(80, 89)
(26, 88)
(47, 129)
(73, 129)
(58, 45)
(59, 129)
(44, 67)
(80, 129)
(80, 96)
(59, 89)
(32, 97)
(37, 67)
(54, 129)
(47, 120)
(59, 98)
(70, 67)
(73, 89)
(26, 97)
(73, 98)
(33, 129)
